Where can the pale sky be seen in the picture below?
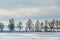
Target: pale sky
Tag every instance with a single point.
(25, 9)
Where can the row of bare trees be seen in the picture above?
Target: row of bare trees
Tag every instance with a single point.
(36, 27)
(44, 26)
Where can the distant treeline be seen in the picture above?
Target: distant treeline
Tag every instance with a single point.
(46, 26)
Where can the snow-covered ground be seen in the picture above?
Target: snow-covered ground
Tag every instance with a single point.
(30, 36)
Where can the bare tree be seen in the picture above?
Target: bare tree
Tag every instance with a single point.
(46, 26)
(11, 24)
(1, 26)
(19, 25)
(29, 25)
(37, 25)
(53, 24)
(26, 26)
(41, 25)
(57, 24)
(33, 28)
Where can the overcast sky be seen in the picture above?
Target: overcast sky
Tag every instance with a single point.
(25, 9)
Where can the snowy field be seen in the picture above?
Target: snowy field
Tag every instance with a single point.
(30, 36)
